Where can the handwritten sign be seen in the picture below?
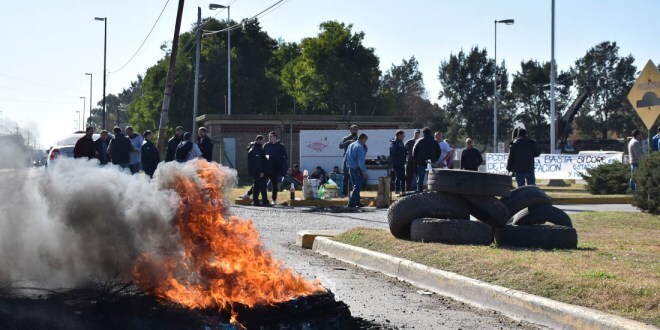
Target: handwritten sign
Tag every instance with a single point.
(552, 166)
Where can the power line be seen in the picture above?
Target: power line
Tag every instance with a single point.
(145, 39)
(235, 26)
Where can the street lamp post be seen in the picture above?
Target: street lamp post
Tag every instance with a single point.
(553, 74)
(78, 123)
(82, 124)
(213, 7)
(507, 22)
(90, 94)
(105, 49)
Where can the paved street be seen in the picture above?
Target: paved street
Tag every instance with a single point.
(370, 295)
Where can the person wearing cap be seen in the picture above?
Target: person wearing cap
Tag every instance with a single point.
(149, 156)
(398, 159)
(411, 168)
(173, 143)
(470, 157)
(187, 150)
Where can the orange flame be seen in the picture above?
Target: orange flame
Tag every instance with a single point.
(223, 260)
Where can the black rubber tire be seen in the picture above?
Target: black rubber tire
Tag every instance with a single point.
(469, 182)
(540, 214)
(424, 205)
(537, 236)
(526, 196)
(451, 231)
(488, 209)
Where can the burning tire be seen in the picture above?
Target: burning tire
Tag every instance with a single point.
(537, 236)
(540, 214)
(526, 196)
(429, 204)
(469, 182)
(488, 209)
(451, 231)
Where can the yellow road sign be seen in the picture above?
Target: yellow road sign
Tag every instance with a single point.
(645, 94)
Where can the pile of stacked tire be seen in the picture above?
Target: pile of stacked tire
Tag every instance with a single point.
(518, 218)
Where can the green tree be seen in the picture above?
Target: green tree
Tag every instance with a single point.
(531, 94)
(404, 84)
(610, 77)
(334, 72)
(467, 91)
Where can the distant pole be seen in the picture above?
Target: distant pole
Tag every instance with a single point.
(552, 82)
(105, 51)
(197, 59)
(78, 124)
(167, 94)
(507, 22)
(228, 63)
(495, 95)
(83, 111)
(90, 94)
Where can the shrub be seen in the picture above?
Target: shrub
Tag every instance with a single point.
(608, 179)
(647, 178)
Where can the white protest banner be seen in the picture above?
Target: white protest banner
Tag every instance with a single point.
(554, 166)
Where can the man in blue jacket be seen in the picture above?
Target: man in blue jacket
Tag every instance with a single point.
(357, 168)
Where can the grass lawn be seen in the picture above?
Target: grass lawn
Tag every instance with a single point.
(616, 268)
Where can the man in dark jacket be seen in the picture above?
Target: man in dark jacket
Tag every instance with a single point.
(398, 159)
(101, 144)
(425, 149)
(345, 142)
(278, 162)
(470, 157)
(205, 144)
(521, 158)
(85, 145)
(120, 149)
(258, 170)
(411, 168)
(149, 156)
(170, 153)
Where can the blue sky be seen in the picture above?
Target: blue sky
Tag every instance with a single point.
(49, 45)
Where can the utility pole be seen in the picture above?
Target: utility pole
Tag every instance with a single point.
(553, 73)
(170, 80)
(197, 56)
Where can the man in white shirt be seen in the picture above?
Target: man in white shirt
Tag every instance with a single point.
(446, 152)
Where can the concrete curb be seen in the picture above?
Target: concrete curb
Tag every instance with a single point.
(516, 304)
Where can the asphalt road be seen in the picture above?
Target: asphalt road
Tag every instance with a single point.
(369, 295)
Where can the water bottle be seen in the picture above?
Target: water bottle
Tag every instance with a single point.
(428, 166)
(322, 192)
(292, 191)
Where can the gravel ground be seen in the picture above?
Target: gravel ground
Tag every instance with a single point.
(369, 295)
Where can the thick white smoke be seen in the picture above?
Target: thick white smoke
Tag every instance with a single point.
(62, 226)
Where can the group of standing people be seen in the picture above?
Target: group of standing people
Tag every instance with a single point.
(267, 161)
(137, 152)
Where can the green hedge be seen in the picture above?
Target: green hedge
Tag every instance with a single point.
(647, 178)
(608, 179)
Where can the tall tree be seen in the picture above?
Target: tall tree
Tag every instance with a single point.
(334, 72)
(610, 77)
(531, 93)
(467, 91)
(405, 84)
